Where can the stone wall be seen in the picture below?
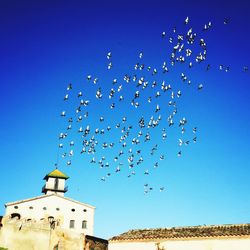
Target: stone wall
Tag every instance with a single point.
(94, 243)
(31, 235)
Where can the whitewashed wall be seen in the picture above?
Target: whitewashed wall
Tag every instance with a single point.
(239, 243)
(59, 208)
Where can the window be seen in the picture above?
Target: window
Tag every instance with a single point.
(71, 224)
(57, 209)
(16, 207)
(50, 218)
(56, 184)
(31, 207)
(84, 224)
(73, 210)
(44, 208)
(85, 210)
(15, 215)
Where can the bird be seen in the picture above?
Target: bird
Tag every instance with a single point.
(226, 21)
(110, 65)
(111, 93)
(200, 86)
(69, 86)
(157, 108)
(66, 97)
(93, 160)
(79, 118)
(95, 80)
(109, 55)
(186, 20)
(207, 26)
(131, 134)
(98, 93)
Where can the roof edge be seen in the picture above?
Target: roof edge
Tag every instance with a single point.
(126, 236)
(47, 195)
(176, 238)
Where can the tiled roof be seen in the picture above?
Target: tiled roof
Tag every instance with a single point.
(184, 232)
(56, 173)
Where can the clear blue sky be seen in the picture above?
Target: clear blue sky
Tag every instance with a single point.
(45, 45)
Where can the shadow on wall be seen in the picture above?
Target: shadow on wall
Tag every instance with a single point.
(94, 243)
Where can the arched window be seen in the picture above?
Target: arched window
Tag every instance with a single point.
(50, 219)
(15, 215)
(84, 224)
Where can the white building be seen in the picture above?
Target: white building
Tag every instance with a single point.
(221, 237)
(62, 211)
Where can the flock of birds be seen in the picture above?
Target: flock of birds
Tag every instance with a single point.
(146, 106)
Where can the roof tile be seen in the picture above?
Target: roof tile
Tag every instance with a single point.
(185, 232)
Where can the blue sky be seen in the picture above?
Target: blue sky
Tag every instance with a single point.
(45, 45)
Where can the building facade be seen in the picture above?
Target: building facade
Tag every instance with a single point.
(50, 221)
(66, 212)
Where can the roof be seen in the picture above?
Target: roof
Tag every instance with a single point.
(184, 232)
(48, 195)
(56, 173)
(93, 238)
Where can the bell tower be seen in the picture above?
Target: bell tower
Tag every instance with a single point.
(55, 183)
